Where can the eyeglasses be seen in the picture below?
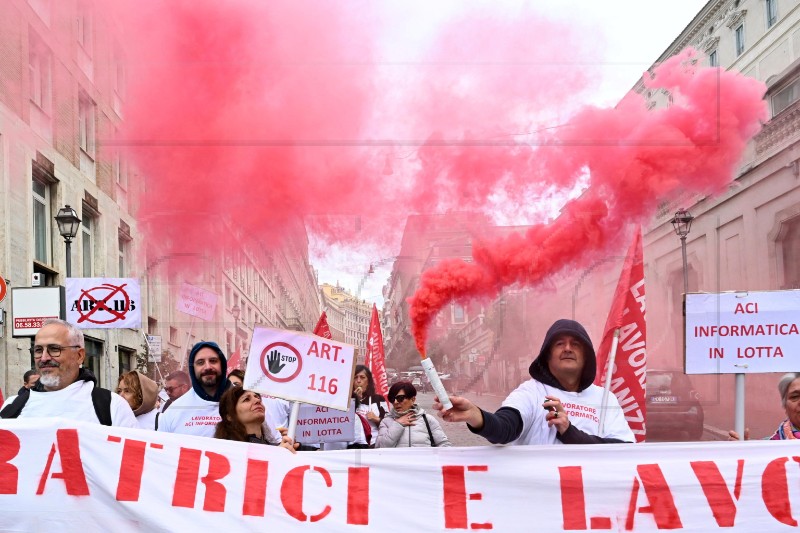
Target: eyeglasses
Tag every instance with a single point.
(54, 350)
(170, 389)
(400, 398)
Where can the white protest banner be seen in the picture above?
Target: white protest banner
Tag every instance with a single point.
(60, 475)
(321, 424)
(300, 366)
(154, 348)
(103, 303)
(197, 302)
(743, 332)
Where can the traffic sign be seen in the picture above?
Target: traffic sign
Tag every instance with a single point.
(3, 288)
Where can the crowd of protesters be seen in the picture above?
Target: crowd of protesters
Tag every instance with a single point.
(211, 401)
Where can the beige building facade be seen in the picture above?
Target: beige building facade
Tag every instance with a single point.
(348, 317)
(62, 99)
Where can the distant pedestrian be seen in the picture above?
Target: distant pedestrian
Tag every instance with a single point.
(176, 385)
(29, 380)
(236, 377)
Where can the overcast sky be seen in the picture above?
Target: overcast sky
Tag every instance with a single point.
(636, 32)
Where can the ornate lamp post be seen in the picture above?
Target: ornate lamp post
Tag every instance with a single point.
(682, 222)
(236, 311)
(68, 223)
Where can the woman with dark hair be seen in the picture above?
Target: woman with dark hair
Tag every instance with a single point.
(243, 420)
(406, 424)
(236, 377)
(368, 402)
(789, 429)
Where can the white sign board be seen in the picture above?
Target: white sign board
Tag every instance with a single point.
(154, 348)
(31, 306)
(743, 332)
(197, 302)
(317, 424)
(104, 303)
(300, 366)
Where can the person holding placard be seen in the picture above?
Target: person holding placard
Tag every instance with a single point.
(789, 429)
(243, 418)
(369, 403)
(407, 425)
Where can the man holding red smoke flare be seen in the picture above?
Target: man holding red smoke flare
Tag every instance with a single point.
(558, 405)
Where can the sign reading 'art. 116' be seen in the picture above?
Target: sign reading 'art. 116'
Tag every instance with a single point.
(743, 332)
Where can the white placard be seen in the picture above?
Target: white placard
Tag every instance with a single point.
(154, 348)
(743, 332)
(318, 424)
(104, 303)
(300, 366)
(197, 302)
(31, 306)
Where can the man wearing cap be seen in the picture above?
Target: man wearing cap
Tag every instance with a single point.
(197, 411)
(558, 405)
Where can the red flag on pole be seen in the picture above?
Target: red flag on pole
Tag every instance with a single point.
(233, 361)
(322, 329)
(630, 360)
(375, 359)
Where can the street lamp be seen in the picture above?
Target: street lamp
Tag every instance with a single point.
(682, 222)
(68, 222)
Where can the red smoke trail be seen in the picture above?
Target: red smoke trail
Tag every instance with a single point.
(265, 113)
(647, 157)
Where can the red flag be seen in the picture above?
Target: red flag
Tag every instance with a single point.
(375, 359)
(233, 362)
(322, 329)
(630, 364)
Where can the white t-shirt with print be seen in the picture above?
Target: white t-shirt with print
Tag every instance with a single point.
(583, 409)
(190, 415)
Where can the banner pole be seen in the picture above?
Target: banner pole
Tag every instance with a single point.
(293, 416)
(738, 409)
(186, 344)
(607, 385)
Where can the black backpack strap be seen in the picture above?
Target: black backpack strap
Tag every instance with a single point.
(430, 433)
(13, 409)
(101, 399)
(157, 415)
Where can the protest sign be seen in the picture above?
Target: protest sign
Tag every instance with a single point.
(743, 332)
(317, 424)
(197, 302)
(300, 366)
(103, 303)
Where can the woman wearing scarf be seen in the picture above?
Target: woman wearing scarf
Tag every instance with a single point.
(789, 388)
(407, 425)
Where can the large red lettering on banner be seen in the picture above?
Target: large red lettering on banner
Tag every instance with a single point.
(72, 469)
(189, 473)
(9, 475)
(292, 493)
(694, 488)
(455, 497)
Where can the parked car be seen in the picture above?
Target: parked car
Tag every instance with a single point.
(672, 404)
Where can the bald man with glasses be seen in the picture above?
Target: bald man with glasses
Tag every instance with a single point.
(65, 389)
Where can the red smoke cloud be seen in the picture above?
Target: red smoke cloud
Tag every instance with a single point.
(336, 113)
(635, 158)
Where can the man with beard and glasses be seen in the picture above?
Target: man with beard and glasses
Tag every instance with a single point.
(558, 405)
(65, 389)
(197, 411)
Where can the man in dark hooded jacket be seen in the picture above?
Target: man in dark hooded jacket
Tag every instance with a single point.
(197, 411)
(559, 405)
